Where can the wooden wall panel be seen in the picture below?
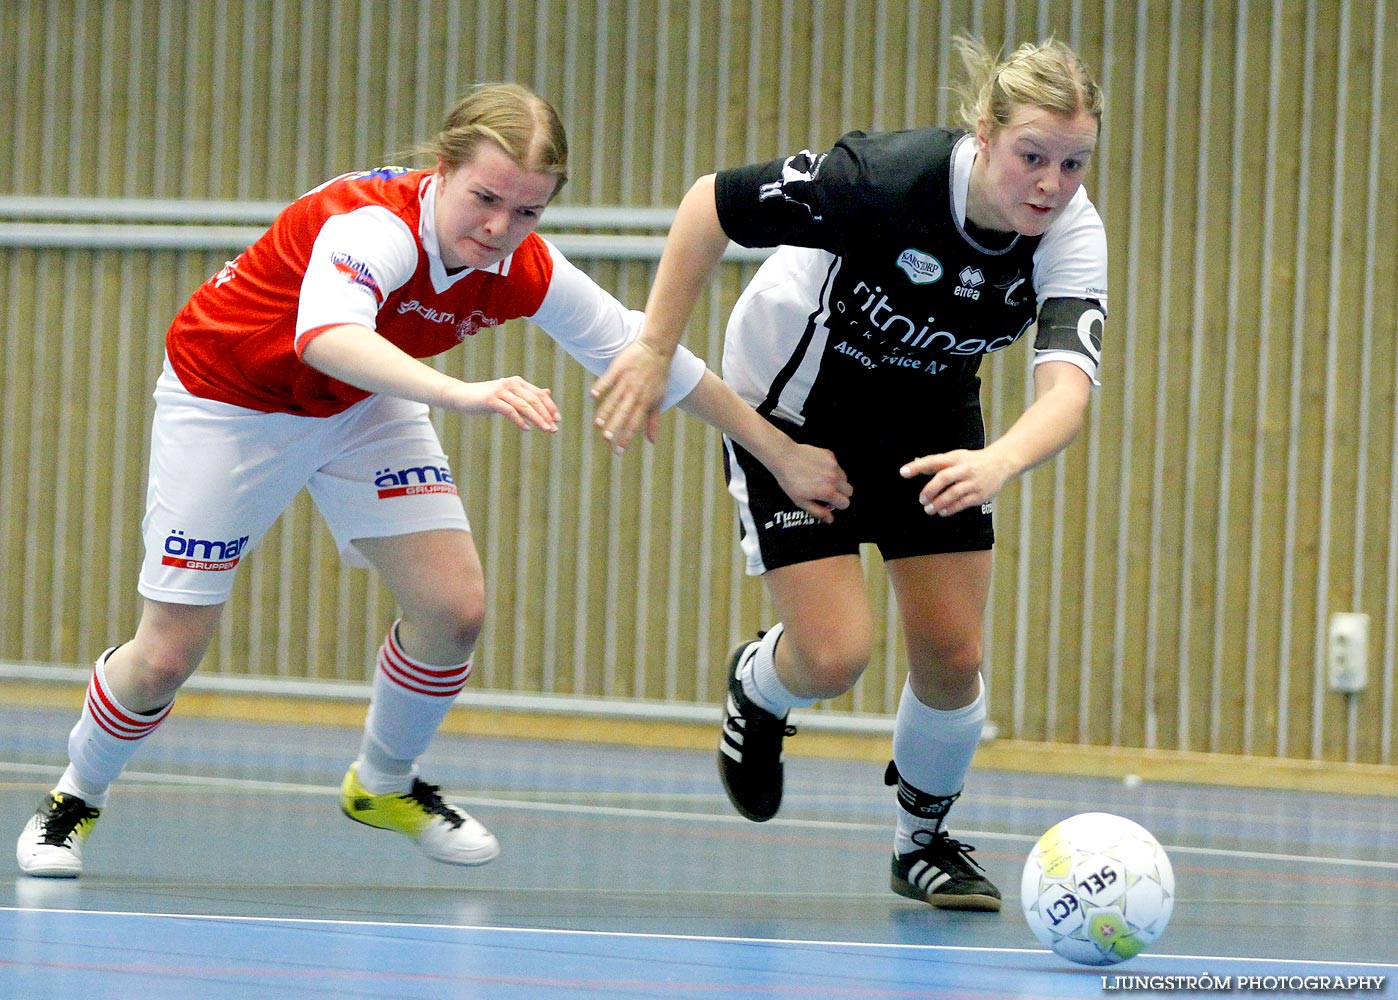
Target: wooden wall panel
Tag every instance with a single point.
(1166, 583)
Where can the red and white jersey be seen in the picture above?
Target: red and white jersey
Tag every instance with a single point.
(362, 249)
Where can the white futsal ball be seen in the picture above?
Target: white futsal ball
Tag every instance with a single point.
(1097, 889)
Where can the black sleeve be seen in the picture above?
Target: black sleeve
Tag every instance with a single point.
(801, 200)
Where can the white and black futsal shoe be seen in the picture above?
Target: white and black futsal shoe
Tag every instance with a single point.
(750, 748)
(942, 873)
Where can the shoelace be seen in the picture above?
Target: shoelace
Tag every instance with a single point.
(759, 726)
(760, 717)
(427, 796)
(939, 842)
(64, 818)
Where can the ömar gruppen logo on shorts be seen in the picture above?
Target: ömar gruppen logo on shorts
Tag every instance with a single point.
(411, 482)
(184, 552)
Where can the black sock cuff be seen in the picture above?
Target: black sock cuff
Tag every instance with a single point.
(917, 802)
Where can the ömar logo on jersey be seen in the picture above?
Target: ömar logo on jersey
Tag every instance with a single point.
(411, 482)
(921, 268)
(202, 553)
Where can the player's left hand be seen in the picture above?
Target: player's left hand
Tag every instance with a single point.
(630, 392)
(960, 479)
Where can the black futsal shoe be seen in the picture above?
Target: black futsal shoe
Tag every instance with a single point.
(942, 873)
(750, 748)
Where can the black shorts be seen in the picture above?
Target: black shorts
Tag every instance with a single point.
(884, 509)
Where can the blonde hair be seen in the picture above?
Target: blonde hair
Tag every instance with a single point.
(1046, 75)
(524, 125)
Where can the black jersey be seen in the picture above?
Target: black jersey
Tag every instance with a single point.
(879, 298)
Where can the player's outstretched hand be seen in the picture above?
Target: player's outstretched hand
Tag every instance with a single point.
(813, 479)
(960, 479)
(629, 394)
(522, 402)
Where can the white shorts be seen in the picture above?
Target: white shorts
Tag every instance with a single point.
(221, 474)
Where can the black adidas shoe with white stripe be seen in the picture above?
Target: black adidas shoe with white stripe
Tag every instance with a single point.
(750, 749)
(940, 873)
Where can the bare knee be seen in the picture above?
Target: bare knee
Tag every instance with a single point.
(827, 666)
(165, 668)
(946, 674)
(146, 672)
(461, 622)
(444, 627)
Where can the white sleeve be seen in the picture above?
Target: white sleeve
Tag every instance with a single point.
(591, 325)
(1071, 263)
(1071, 260)
(357, 261)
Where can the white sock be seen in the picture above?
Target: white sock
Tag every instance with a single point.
(71, 784)
(932, 750)
(409, 701)
(380, 773)
(760, 681)
(104, 739)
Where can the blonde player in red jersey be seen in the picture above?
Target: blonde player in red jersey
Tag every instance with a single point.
(297, 366)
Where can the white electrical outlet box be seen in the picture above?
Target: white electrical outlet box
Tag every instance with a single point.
(1349, 651)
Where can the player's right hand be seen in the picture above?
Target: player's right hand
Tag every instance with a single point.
(813, 479)
(523, 403)
(629, 394)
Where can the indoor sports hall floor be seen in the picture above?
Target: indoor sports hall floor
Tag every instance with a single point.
(223, 869)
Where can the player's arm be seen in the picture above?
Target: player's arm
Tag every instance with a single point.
(358, 356)
(1068, 351)
(597, 330)
(810, 476)
(968, 477)
(800, 199)
(630, 391)
(358, 260)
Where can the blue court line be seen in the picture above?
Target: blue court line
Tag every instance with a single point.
(145, 956)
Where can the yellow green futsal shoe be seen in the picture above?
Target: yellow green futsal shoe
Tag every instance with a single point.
(51, 845)
(443, 832)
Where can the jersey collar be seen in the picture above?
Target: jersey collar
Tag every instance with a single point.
(963, 158)
(427, 232)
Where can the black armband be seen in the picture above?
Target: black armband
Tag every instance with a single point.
(1071, 325)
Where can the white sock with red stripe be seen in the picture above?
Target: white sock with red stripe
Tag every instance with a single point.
(105, 737)
(409, 701)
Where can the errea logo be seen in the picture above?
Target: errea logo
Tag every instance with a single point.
(971, 278)
(921, 268)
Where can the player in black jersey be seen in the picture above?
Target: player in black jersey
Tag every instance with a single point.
(904, 259)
